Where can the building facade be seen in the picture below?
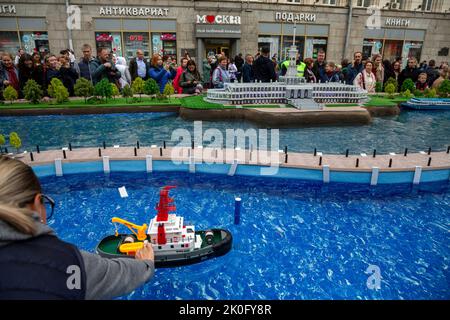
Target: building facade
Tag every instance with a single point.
(399, 28)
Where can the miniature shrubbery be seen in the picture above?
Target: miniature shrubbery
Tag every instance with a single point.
(408, 84)
(32, 91)
(391, 81)
(444, 88)
(15, 141)
(151, 87)
(83, 88)
(57, 90)
(127, 92)
(138, 87)
(103, 89)
(390, 90)
(10, 94)
(168, 90)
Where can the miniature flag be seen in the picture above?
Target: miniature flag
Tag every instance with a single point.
(123, 192)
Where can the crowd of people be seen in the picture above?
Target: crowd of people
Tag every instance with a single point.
(216, 70)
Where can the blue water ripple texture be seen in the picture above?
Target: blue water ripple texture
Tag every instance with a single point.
(296, 240)
(411, 129)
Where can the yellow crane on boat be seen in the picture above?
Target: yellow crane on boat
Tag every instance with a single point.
(137, 230)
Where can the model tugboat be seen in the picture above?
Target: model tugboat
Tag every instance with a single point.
(174, 243)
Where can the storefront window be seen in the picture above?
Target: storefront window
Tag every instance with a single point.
(165, 44)
(287, 43)
(14, 35)
(411, 50)
(110, 40)
(372, 47)
(271, 42)
(392, 49)
(35, 41)
(9, 42)
(129, 35)
(134, 41)
(314, 45)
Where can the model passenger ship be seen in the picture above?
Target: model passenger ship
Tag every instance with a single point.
(173, 242)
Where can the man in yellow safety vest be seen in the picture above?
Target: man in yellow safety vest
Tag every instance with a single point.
(300, 67)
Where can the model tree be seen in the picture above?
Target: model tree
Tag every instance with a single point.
(444, 88)
(430, 93)
(32, 91)
(393, 81)
(83, 88)
(114, 91)
(2, 142)
(103, 89)
(168, 90)
(151, 87)
(10, 94)
(57, 90)
(138, 87)
(408, 84)
(390, 89)
(407, 94)
(379, 86)
(127, 92)
(15, 141)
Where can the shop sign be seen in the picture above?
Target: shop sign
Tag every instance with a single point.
(137, 37)
(133, 11)
(295, 17)
(104, 37)
(7, 9)
(218, 19)
(397, 22)
(169, 36)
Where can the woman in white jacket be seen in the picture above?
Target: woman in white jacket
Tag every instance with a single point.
(121, 65)
(366, 79)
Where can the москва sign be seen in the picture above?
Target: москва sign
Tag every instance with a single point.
(218, 19)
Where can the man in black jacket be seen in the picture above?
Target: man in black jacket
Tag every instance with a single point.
(411, 71)
(263, 67)
(139, 66)
(106, 68)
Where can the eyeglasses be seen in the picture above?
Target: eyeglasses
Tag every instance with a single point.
(49, 203)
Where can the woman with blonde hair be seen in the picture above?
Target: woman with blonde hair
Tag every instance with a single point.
(444, 74)
(36, 264)
(159, 72)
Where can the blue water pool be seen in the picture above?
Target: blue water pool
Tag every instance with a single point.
(413, 130)
(296, 240)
